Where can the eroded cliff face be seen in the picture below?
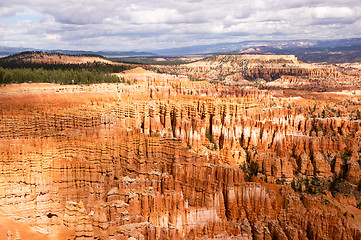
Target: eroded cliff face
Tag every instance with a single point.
(269, 71)
(167, 158)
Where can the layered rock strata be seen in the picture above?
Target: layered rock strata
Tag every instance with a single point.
(248, 69)
(172, 159)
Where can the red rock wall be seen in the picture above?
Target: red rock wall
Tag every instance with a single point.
(172, 168)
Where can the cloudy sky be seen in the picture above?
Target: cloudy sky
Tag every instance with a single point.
(158, 24)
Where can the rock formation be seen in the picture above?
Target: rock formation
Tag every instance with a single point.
(247, 69)
(169, 158)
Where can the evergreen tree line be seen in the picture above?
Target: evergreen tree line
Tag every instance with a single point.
(100, 67)
(60, 76)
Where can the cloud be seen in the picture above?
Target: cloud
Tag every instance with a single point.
(144, 25)
(26, 15)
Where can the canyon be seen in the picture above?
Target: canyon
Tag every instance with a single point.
(227, 147)
(269, 70)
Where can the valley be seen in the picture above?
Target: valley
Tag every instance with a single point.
(231, 146)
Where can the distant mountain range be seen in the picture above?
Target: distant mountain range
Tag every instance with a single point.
(239, 46)
(6, 51)
(334, 51)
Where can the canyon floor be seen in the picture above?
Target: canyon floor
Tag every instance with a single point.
(227, 147)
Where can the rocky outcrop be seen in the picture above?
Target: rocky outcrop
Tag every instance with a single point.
(269, 71)
(176, 159)
(251, 67)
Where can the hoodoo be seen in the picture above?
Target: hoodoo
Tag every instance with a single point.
(261, 147)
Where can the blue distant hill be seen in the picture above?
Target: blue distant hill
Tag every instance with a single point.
(6, 51)
(334, 51)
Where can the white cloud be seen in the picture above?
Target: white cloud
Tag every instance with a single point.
(332, 12)
(129, 25)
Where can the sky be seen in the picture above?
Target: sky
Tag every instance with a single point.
(124, 25)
